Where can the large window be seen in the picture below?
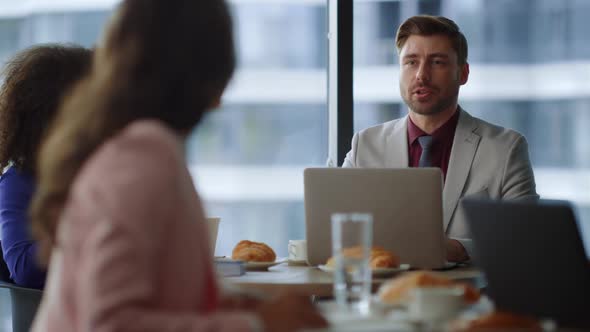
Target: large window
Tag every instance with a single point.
(248, 157)
(530, 71)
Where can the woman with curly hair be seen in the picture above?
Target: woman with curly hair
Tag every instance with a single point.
(34, 82)
(116, 210)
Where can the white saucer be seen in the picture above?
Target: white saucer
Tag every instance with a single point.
(388, 272)
(262, 266)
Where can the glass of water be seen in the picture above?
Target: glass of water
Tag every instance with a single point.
(352, 235)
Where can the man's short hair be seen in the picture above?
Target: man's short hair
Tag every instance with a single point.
(426, 25)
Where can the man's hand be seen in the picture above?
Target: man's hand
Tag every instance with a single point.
(455, 251)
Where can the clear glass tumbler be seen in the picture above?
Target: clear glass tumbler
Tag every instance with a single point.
(352, 235)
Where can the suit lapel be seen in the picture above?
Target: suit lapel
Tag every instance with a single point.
(397, 145)
(464, 147)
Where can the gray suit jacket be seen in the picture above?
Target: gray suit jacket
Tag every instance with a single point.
(486, 161)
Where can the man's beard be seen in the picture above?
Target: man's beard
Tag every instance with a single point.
(440, 106)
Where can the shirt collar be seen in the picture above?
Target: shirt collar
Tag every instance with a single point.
(443, 133)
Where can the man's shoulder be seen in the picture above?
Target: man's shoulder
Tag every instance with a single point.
(494, 132)
(382, 129)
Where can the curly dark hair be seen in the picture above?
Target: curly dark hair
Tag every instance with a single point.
(34, 82)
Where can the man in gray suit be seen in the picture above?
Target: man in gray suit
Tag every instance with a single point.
(476, 158)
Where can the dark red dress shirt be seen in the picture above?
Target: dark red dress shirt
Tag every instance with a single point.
(442, 143)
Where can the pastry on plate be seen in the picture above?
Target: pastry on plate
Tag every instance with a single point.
(398, 290)
(379, 259)
(250, 251)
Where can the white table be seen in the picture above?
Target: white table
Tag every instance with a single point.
(310, 281)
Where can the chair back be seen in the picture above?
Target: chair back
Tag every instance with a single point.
(25, 301)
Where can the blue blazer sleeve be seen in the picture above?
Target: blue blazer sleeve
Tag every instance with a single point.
(18, 248)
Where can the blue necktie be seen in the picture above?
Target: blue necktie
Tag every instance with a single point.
(425, 157)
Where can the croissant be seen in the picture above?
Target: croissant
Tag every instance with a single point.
(253, 252)
(398, 290)
(379, 257)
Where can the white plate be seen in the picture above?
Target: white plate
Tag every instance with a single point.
(384, 273)
(379, 273)
(261, 266)
(385, 309)
(483, 306)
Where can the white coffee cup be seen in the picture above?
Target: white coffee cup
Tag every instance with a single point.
(436, 304)
(297, 251)
(213, 225)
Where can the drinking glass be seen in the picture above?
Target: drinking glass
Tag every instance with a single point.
(352, 235)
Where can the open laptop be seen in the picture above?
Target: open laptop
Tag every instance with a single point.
(533, 258)
(406, 205)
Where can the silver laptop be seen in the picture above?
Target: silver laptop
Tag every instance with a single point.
(406, 205)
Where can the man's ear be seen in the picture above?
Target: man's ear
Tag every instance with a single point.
(464, 74)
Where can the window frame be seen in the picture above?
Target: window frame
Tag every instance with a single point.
(340, 80)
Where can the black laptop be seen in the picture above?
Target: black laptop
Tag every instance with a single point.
(533, 258)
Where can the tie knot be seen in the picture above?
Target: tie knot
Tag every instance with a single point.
(425, 142)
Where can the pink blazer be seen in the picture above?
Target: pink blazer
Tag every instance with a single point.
(133, 251)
